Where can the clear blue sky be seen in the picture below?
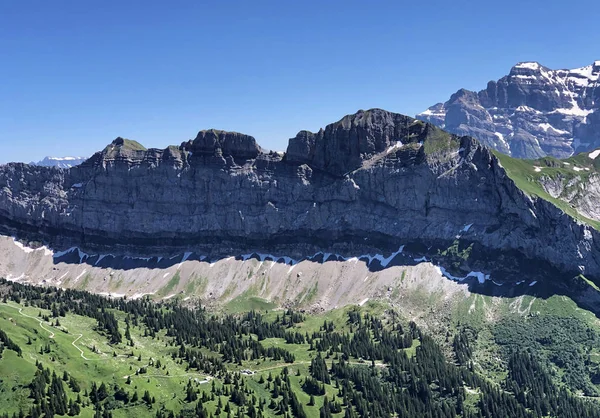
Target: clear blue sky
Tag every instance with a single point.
(76, 74)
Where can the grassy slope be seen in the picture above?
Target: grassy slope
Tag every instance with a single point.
(102, 366)
(128, 144)
(525, 176)
(478, 312)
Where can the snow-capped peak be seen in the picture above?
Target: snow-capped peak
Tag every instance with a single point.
(539, 111)
(530, 65)
(60, 162)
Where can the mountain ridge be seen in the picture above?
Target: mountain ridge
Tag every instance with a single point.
(60, 162)
(366, 184)
(532, 112)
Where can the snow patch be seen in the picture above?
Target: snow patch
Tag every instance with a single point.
(528, 65)
(394, 147)
(574, 111)
(501, 137)
(140, 295)
(384, 261)
(65, 252)
(594, 154)
(546, 126)
(22, 247)
(186, 256)
(112, 295)
(532, 283)
(102, 257)
(28, 250)
(15, 279)
(481, 277)
(82, 255)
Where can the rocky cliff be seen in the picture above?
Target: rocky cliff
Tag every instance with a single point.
(532, 112)
(367, 184)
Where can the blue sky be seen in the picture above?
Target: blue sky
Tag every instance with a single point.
(76, 74)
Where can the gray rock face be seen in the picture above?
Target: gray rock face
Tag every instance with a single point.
(372, 181)
(227, 143)
(343, 146)
(532, 112)
(582, 193)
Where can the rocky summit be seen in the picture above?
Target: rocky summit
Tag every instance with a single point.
(530, 113)
(374, 182)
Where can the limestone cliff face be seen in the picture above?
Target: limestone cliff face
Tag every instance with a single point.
(372, 181)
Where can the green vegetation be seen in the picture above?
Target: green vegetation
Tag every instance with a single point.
(171, 286)
(125, 144)
(438, 140)
(564, 343)
(456, 253)
(133, 145)
(71, 353)
(589, 282)
(245, 303)
(527, 175)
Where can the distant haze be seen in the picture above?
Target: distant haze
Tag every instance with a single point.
(61, 162)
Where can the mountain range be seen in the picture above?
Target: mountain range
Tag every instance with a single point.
(377, 213)
(374, 186)
(60, 162)
(532, 112)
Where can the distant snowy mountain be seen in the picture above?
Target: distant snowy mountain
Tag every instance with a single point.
(60, 162)
(530, 113)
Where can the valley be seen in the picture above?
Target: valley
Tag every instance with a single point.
(61, 331)
(50, 329)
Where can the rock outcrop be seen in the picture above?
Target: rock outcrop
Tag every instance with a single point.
(367, 184)
(532, 112)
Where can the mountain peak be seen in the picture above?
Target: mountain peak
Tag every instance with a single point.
(529, 65)
(127, 144)
(532, 112)
(347, 144)
(60, 162)
(215, 141)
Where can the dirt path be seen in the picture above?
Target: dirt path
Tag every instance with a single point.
(280, 366)
(79, 349)
(205, 378)
(51, 335)
(37, 319)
